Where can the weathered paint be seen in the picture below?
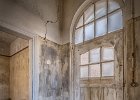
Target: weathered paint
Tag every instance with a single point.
(54, 71)
(100, 89)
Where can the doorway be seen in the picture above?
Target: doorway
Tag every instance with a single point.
(14, 67)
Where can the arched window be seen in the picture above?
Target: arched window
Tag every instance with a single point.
(97, 51)
(102, 17)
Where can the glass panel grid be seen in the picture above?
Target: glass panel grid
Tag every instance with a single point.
(107, 25)
(97, 68)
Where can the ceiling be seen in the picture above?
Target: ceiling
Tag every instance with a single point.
(6, 37)
(42, 8)
(30, 5)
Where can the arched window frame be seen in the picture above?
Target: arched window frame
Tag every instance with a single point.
(95, 20)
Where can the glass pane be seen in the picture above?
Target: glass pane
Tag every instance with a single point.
(108, 69)
(89, 32)
(95, 55)
(80, 22)
(115, 21)
(112, 5)
(101, 8)
(101, 27)
(94, 70)
(84, 58)
(108, 53)
(84, 71)
(79, 36)
(89, 14)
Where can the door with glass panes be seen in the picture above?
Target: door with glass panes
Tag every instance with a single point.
(98, 53)
(98, 71)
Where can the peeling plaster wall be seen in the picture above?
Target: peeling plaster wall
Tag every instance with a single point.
(54, 71)
(132, 93)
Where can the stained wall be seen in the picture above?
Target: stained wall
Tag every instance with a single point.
(53, 71)
(19, 70)
(4, 77)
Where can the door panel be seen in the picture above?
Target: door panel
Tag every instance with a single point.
(104, 88)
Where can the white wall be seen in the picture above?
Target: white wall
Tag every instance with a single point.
(17, 18)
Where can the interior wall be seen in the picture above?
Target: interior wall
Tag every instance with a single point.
(4, 77)
(19, 70)
(53, 71)
(16, 17)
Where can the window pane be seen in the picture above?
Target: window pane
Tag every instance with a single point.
(101, 8)
(80, 22)
(108, 53)
(95, 55)
(89, 14)
(115, 21)
(112, 5)
(101, 27)
(84, 58)
(84, 71)
(79, 36)
(89, 32)
(94, 70)
(108, 69)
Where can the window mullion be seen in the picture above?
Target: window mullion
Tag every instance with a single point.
(83, 27)
(88, 64)
(107, 15)
(94, 21)
(100, 62)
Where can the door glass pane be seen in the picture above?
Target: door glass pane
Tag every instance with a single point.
(101, 8)
(89, 14)
(95, 55)
(89, 31)
(108, 54)
(94, 70)
(115, 21)
(108, 69)
(84, 71)
(112, 5)
(101, 27)
(84, 58)
(80, 22)
(79, 36)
